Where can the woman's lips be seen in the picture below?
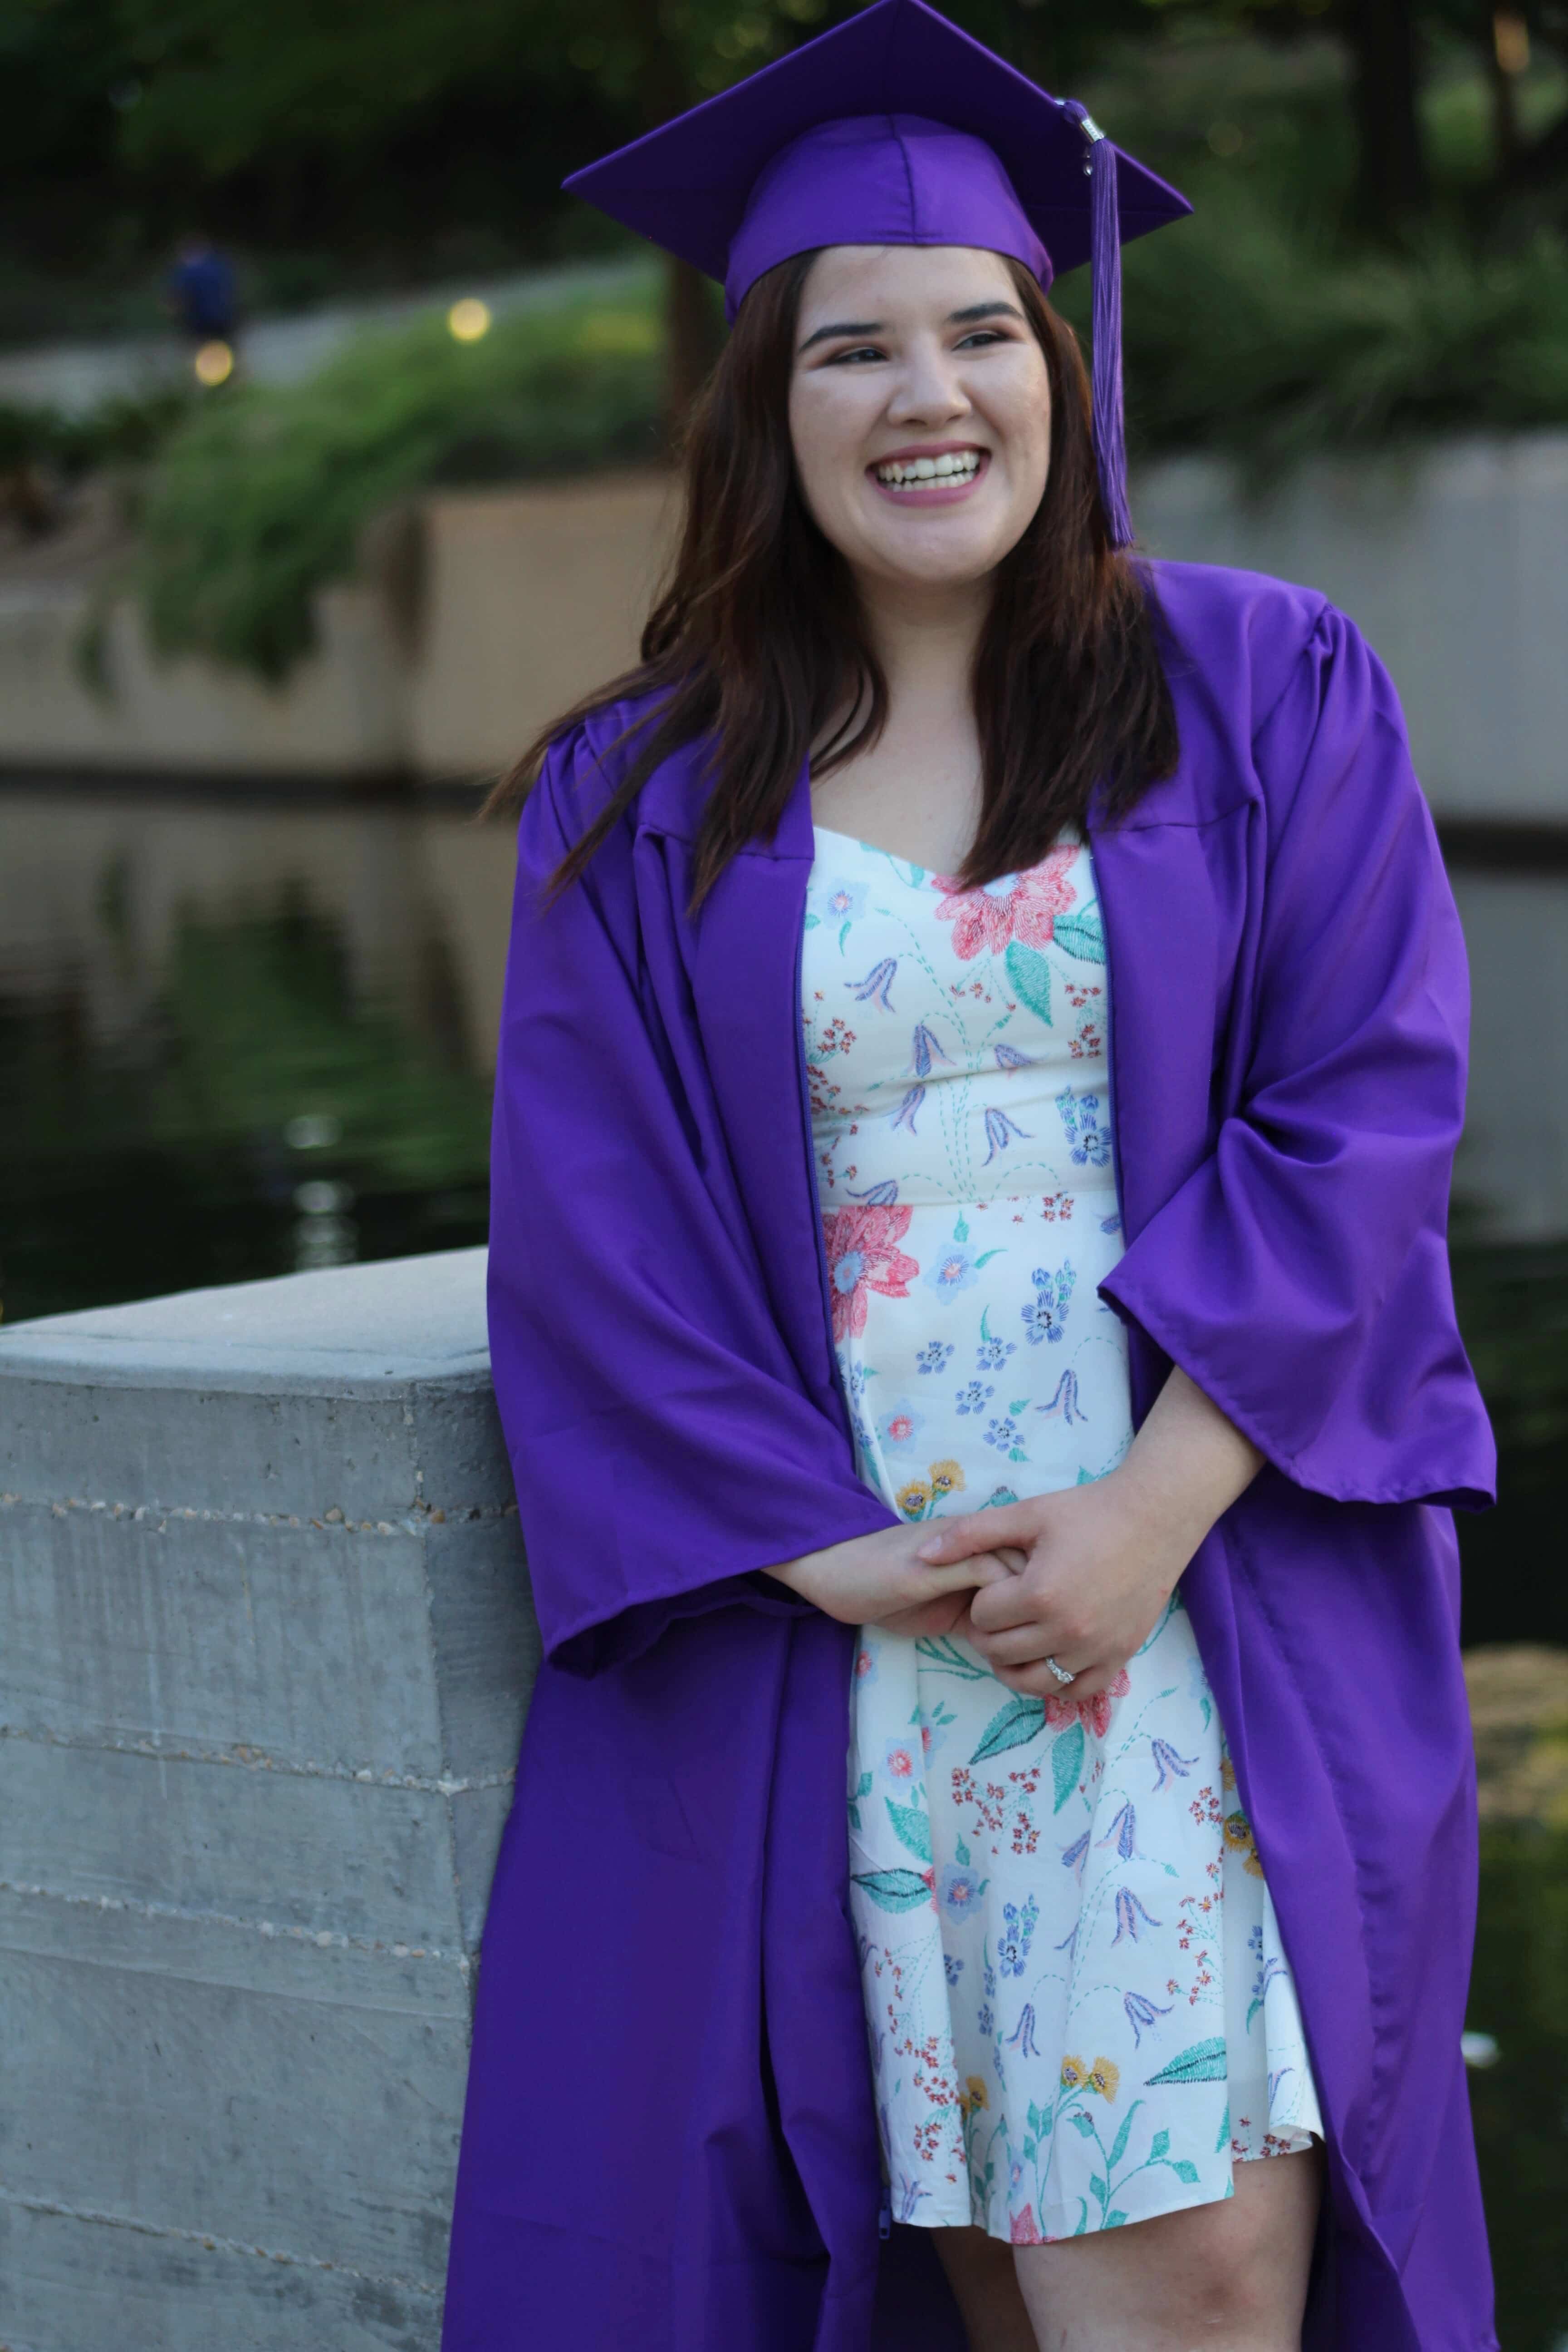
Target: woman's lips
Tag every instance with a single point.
(933, 493)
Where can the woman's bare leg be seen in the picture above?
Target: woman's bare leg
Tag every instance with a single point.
(1226, 2277)
(984, 2285)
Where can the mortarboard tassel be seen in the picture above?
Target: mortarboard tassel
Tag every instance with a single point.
(1105, 275)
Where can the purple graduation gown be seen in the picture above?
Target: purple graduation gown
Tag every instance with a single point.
(669, 2140)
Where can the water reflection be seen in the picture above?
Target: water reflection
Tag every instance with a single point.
(237, 1041)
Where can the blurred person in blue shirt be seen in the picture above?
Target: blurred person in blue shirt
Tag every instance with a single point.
(201, 291)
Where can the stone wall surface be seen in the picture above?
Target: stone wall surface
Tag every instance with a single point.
(264, 1647)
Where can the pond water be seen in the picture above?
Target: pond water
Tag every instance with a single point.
(240, 1037)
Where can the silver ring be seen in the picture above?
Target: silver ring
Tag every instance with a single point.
(1060, 1672)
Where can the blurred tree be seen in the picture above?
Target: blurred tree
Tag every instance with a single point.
(229, 86)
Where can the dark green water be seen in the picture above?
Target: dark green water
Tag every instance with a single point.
(238, 1041)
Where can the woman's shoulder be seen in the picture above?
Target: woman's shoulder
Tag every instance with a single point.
(586, 760)
(1243, 633)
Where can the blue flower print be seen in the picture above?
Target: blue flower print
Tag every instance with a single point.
(1122, 1833)
(984, 2019)
(960, 1890)
(999, 1133)
(843, 902)
(849, 1271)
(924, 1050)
(876, 984)
(880, 1196)
(1130, 1917)
(1023, 2034)
(899, 1427)
(905, 1114)
(1073, 1856)
(910, 2195)
(933, 1356)
(952, 1967)
(1009, 1058)
(901, 1761)
(1018, 1934)
(1141, 2013)
(992, 1354)
(1064, 1405)
(953, 1269)
(1088, 1144)
(974, 1398)
(1006, 1436)
(1045, 1315)
(1168, 1764)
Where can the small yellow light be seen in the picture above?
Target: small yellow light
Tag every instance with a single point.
(469, 319)
(214, 364)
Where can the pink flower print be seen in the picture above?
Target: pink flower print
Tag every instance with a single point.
(992, 916)
(902, 1762)
(1023, 2229)
(863, 1255)
(1093, 1713)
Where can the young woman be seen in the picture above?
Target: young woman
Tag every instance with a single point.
(982, 1061)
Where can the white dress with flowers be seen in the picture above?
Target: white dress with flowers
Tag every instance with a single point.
(1078, 2006)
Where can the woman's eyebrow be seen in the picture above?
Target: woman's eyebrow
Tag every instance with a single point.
(965, 318)
(845, 327)
(997, 310)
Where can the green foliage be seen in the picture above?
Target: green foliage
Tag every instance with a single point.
(263, 494)
(118, 432)
(1248, 333)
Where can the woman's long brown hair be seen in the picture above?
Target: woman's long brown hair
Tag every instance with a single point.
(757, 641)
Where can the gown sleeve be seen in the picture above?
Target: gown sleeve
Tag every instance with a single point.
(664, 1449)
(1301, 1274)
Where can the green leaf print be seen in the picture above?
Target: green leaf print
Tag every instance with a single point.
(910, 1827)
(1030, 973)
(1185, 2171)
(1224, 2138)
(894, 1890)
(811, 922)
(1159, 2145)
(1018, 1404)
(1021, 1720)
(1117, 2220)
(1082, 935)
(1067, 1763)
(863, 1786)
(961, 1231)
(1096, 2188)
(843, 935)
(1204, 2062)
(1119, 2144)
(961, 1850)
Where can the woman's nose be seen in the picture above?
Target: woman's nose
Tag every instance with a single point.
(929, 391)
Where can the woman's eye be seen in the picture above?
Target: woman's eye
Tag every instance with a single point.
(864, 351)
(983, 335)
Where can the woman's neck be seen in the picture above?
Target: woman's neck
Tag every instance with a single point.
(916, 790)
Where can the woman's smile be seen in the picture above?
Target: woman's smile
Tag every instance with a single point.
(938, 476)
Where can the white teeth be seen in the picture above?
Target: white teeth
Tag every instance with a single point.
(953, 466)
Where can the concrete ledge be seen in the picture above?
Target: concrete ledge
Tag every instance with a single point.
(264, 1650)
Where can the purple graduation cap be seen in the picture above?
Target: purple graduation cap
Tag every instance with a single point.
(897, 129)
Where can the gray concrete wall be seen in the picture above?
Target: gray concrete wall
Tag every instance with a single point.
(264, 1647)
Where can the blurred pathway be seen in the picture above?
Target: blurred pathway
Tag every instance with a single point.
(77, 377)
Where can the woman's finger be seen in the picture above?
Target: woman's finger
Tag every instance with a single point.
(973, 1531)
(1004, 1604)
(1016, 1645)
(1038, 1682)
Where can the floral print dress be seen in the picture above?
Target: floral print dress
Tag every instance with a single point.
(1078, 2006)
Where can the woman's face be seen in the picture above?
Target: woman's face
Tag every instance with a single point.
(920, 411)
